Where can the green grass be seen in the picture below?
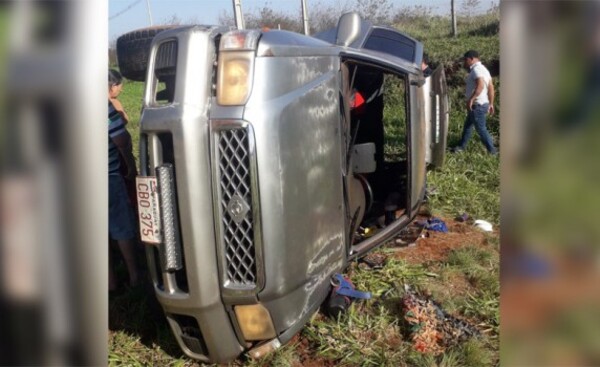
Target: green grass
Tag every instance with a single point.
(480, 267)
(131, 98)
(372, 332)
(472, 354)
(468, 183)
(394, 119)
(480, 33)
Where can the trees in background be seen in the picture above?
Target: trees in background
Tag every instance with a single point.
(324, 14)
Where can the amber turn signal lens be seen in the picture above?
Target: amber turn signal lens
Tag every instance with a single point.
(255, 322)
(234, 78)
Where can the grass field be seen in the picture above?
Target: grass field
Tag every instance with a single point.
(458, 269)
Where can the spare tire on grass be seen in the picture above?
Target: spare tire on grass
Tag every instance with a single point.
(133, 49)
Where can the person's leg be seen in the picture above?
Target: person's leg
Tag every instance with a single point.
(112, 278)
(467, 131)
(127, 248)
(122, 226)
(480, 113)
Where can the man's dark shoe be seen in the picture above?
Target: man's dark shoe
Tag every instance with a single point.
(456, 149)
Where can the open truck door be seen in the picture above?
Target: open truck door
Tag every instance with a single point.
(437, 111)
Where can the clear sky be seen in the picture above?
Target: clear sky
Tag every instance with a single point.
(127, 15)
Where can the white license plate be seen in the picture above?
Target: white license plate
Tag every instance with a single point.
(148, 209)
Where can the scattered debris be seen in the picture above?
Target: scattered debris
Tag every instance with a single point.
(432, 329)
(408, 236)
(366, 232)
(343, 286)
(462, 218)
(436, 225)
(263, 349)
(374, 260)
(342, 295)
(484, 225)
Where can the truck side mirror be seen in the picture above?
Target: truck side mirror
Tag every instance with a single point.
(348, 29)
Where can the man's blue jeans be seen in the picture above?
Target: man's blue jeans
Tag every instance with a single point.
(476, 117)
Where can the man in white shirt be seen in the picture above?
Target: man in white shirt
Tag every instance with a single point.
(480, 101)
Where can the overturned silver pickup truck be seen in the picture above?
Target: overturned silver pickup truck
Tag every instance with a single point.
(264, 154)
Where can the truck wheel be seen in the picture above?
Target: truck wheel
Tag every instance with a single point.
(133, 49)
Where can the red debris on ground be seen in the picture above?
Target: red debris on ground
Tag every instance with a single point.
(435, 246)
(432, 329)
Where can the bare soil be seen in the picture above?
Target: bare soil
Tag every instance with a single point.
(306, 354)
(433, 246)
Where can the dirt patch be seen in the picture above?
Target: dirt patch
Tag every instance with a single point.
(435, 246)
(306, 354)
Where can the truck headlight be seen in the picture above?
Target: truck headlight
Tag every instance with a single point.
(234, 77)
(255, 322)
(236, 66)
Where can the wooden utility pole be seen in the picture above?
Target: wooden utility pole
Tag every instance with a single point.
(453, 10)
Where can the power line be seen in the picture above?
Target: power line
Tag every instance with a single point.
(124, 10)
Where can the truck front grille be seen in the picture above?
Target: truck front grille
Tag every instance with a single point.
(167, 260)
(236, 207)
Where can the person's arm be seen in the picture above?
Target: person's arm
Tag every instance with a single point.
(476, 93)
(491, 96)
(119, 107)
(123, 143)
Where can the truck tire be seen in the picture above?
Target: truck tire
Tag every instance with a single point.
(133, 49)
